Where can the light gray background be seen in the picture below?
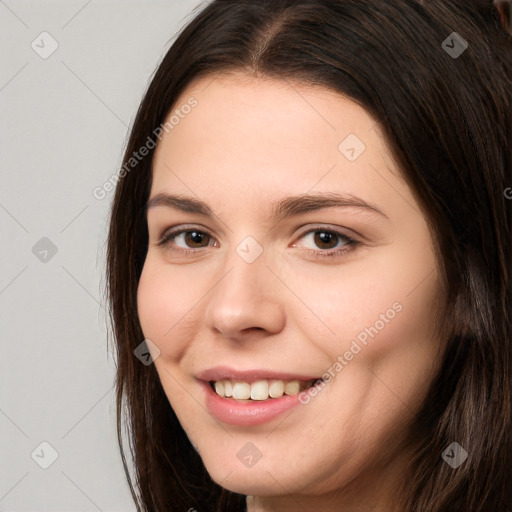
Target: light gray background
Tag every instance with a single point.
(64, 123)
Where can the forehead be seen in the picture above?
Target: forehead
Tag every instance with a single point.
(260, 137)
(261, 107)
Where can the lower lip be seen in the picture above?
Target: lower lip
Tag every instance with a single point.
(257, 412)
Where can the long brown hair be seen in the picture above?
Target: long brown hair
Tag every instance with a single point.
(447, 119)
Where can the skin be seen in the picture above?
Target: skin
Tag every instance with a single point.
(249, 142)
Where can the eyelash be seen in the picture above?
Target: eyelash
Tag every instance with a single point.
(321, 253)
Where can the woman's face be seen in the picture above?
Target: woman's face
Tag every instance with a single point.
(303, 256)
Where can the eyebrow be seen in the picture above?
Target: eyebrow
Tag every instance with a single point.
(286, 207)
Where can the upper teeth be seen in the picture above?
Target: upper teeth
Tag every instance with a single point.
(259, 390)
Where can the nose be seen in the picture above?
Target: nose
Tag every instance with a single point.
(246, 299)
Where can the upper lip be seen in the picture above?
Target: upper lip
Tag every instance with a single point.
(250, 375)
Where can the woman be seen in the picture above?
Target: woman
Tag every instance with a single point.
(309, 261)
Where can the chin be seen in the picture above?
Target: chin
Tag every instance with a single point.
(249, 486)
(249, 481)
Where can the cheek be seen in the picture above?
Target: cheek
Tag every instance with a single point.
(163, 301)
(377, 310)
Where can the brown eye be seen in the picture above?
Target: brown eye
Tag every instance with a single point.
(327, 243)
(186, 239)
(194, 239)
(325, 239)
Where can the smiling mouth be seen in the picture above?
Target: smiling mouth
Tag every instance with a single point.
(260, 390)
